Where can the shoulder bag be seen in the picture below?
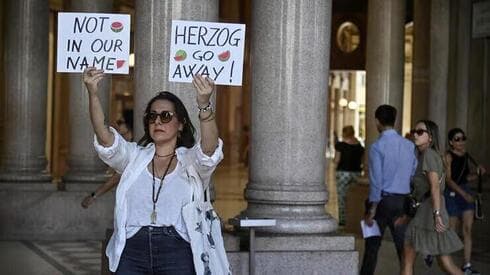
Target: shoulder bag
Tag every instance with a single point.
(204, 229)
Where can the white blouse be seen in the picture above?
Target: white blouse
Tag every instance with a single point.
(175, 193)
(130, 160)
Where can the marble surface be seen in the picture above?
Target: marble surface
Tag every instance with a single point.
(22, 157)
(290, 46)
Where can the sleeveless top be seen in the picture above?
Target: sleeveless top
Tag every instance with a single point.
(459, 168)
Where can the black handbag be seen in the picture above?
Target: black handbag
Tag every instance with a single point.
(478, 201)
(410, 205)
(478, 198)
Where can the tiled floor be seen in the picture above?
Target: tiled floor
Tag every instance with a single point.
(53, 258)
(81, 258)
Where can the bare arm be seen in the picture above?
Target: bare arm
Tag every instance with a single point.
(336, 159)
(101, 190)
(91, 78)
(435, 193)
(209, 128)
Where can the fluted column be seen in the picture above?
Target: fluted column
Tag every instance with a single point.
(23, 156)
(84, 164)
(421, 60)
(462, 66)
(2, 86)
(152, 51)
(384, 60)
(290, 57)
(439, 63)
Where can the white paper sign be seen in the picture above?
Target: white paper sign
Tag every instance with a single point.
(212, 49)
(93, 40)
(370, 231)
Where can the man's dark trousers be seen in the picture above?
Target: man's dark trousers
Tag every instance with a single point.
(388, 210)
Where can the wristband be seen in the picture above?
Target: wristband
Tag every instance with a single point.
(436, 213)
(93, 195)
(206, 108)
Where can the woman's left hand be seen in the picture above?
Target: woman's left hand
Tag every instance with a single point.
(439, 224)
(204, 88)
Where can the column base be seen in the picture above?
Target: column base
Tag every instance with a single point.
(84, 177)
(36, 211)
(297, 225)
(297, 209)
(301, 254)
(20, 176)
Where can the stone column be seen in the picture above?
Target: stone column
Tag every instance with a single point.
(384, 60)
(421, 60)
(439, 63)
(22, 156)
(84, 164)
(2, 86)
(153, 23)
(459, 72)
(290, 57)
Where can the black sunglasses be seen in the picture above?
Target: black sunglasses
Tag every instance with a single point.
(419, 132)
(165, 116)
(463, 138)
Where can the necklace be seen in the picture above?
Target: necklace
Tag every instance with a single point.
(163, 156)
(154, 198)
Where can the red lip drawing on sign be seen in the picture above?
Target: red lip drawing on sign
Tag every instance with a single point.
(117, 26)
(224, 56)
(120, 63)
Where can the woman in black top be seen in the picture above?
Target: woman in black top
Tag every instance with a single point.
(460, 203)
(348, 161)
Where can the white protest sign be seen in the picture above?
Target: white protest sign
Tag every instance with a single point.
(207, 48)
(98, 40)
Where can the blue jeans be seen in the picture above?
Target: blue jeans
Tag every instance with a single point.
(156, 250)
(456, 205)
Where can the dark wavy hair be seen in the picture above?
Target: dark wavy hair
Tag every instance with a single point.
(433, 130)
(186, 136)
(453, 132)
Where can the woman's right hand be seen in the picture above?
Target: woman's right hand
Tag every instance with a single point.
(91, 78)
(439, 224)
(468, 197)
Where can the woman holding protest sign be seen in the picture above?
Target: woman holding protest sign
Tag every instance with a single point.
(159, 173)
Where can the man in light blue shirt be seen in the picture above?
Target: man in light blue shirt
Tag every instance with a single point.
(392, 163)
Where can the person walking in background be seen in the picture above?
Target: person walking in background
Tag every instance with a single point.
(460, 202)
(428, 231)
(348, 162)
(124, 127)
(391, 165)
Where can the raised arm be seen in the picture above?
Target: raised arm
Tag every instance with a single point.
(209, 128)
(91, 78)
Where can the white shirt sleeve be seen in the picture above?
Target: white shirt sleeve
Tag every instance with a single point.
(118, 154)
(207, 164)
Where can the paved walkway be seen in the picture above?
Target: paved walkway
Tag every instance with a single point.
(84, 258)
(53, 258)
